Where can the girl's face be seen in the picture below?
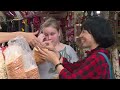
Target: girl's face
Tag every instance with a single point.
(52, 34)
(87, 40)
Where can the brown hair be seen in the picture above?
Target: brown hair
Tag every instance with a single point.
(54, 23)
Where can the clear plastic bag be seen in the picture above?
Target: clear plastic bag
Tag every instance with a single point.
(3, 73)
(37, 57)
(30, 66)
(14, 62)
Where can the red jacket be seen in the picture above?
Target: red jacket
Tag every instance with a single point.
(94, 66)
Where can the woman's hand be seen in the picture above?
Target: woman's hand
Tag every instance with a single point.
(49, 53)
(41, 37)
(31, 38)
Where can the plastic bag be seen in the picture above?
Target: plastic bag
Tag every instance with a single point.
(3, 73)
(37, 57)
(14, 62)
(30, 66)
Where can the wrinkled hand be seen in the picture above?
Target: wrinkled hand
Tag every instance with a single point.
(32, 39)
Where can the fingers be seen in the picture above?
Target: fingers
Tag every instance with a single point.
(49, 45)
(41, 37)
(42, 51)
(49, 48)
(31, 44)
(48, 42)
(41, 61)
(37, 43)
(36, 33)
(43, 57)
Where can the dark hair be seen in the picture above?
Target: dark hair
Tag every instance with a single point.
(100, 29)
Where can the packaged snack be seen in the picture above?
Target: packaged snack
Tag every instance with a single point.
(3, 72)
(37, 57)
(30, 67)
(14, 62)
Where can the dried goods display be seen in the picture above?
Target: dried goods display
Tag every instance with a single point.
(3, 73)
(115, 61)
(14, 62)
(20, 64)
(32, 73)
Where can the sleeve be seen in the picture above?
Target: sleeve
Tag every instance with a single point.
(93, 68)
(73, 54)
(71, 66)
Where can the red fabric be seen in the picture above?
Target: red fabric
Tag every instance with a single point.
(36, 22)
(93, 67)
(10, 14)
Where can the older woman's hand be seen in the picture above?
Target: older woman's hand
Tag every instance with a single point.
(49, 53)
(32, 39)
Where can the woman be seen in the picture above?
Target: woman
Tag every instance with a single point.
(96, 35)
(30, 37)
(52, 32)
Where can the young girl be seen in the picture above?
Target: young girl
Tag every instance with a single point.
(51, 30)
(96, 35)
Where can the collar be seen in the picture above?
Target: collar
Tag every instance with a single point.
(92, 51)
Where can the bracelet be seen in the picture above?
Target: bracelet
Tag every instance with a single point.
(57, 65)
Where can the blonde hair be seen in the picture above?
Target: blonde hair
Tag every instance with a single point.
(54, 23)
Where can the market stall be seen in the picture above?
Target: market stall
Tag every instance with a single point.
(13, 65)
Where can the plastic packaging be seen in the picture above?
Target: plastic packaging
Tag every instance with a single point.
(3, 72)
(30, 66)
(37, 57)
(14, 62)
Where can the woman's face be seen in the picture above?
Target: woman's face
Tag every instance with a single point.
(52, 34)
(87, 40)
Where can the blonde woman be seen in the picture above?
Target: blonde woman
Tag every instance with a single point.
(52, 32)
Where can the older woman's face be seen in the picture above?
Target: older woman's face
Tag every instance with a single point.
(87, 40)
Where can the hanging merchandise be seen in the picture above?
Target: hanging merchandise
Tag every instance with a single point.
(9, 14)
(70, 35)
(70, 28)
(10, 25)
(30, 24)
(36, 23)
(0, 27)
(115, 61)
(30, 14)
(32, 18)
(4, 27)
(2, 17)
(26, 25)
(18, 15)
(62, 25)
(23, 25)
(15, 25)
(23, 14)
(92, 13)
